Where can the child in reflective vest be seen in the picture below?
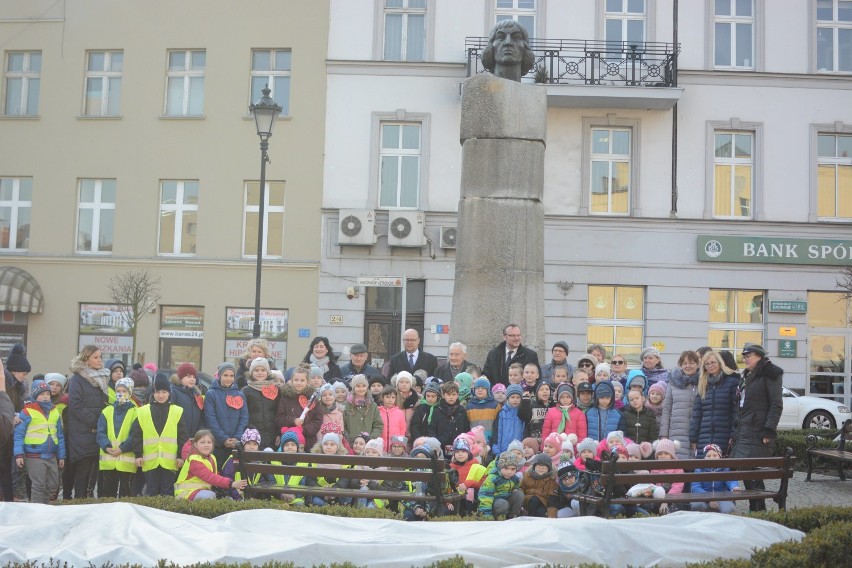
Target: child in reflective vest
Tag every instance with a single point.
(117, 461)
(39, 443)
(198, 475)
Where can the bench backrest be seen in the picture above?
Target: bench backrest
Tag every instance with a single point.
(846, 436)
(323, 465)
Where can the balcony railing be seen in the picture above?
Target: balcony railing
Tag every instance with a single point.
(587, 62)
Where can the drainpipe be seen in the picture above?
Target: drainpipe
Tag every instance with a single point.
(673, 212)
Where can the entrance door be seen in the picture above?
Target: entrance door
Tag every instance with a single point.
(383, 319)
(829, 368)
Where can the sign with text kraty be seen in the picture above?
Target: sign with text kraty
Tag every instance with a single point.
(774, 250)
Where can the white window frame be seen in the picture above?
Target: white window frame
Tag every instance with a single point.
(400, 116)
(267, 209)
(178, 208)
(737, 327)
(405, 11)
(614, 322)
(515, 12)
(97, 206)
(835, 26)
(611, 122)
(107, 77)
(15, 204)
(186, 73)
(834, 161)
(270, 75)
(733, 162)
(837, 128)
(400, 153)
(27, 77)
(739, 126)
(733, 21)
(647, 19)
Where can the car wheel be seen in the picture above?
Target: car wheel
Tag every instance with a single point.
(819, 420)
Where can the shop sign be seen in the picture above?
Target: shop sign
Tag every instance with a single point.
(239, 325)
(787, 331)
(108, 344)
(380, 281)
(774, 250)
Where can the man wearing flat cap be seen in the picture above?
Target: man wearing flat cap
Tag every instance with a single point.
(760, 404)
(357, 365)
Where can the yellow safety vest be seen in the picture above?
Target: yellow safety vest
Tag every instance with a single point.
(41, 426)
(126, 462)
(159, 449)
(185, 485)
(110, 394)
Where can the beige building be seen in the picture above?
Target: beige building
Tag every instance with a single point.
(127, 145)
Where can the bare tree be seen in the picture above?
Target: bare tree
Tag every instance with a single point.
(134, 292)
(844, 283)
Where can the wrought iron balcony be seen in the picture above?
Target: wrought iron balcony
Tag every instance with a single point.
(587, 62)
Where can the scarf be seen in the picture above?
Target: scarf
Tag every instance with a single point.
(322, 362)
(260, 385)
(680, 380)
(714, 379)
(565, 417)
(98, 378)
(431, 408)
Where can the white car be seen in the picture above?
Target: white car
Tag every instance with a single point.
(811, 412)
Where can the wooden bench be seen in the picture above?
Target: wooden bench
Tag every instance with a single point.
(433, 472)
(841, 454)
(615, 473)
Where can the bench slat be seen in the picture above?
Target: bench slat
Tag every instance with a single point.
(634, 478)
(350, 493)
(348, 473)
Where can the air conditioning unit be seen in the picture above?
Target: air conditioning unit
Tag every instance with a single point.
(356, 227)
(405, 229)
(448, 237)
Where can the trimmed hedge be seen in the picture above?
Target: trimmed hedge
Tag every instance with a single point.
(454, 562)
(797, 439)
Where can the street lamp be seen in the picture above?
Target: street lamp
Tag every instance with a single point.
(265, 112)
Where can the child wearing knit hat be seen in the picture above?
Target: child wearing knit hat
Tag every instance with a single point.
(499, 393)
(40, 420)
(482, 409)
(117, 464)
(330, 444)
(586, 450)
(666, 449)
(565, 417)
(500, 494)
(713, 452)
(539, 487)
(508, 426)
(531, 447)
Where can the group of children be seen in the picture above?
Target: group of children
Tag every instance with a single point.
(529, 446)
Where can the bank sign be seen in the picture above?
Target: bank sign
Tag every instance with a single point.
(773, 250)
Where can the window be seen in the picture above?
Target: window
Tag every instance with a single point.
(23, 81)
(616, 320)
(16, 196)
(522, 11)
(103, 83)
(733, 34)
(610, 171)
(273, 219)
(829, 309)
(96, 216)
(405, 30)
(272, 67)
(733, 172)
(399, 165)
(185, 91)
(735, 318)
(178, 217)
(834, 176)
(624, 21)
(834, 36)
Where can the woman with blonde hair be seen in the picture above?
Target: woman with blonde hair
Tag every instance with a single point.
(715, 406)
(87, 397)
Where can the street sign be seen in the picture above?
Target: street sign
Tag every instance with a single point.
(787, 348)
(335, 319)
(381, 281)
(788, 306)
(787, 331)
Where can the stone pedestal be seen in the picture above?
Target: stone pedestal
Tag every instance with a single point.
(500, 251)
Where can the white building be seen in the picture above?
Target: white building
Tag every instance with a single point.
(642, 245)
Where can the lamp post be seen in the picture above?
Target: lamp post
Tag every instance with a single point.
(265, 112)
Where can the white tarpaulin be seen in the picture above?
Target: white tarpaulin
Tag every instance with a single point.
(127, 533)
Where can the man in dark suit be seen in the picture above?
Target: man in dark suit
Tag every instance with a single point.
(412, 358)
(509, 351)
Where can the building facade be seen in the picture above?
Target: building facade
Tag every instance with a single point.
(128, 148)
(698, 182)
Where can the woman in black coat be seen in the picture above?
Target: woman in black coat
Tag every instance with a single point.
(760, 406)
(87, 397)
(715, 404)
(320, 354)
